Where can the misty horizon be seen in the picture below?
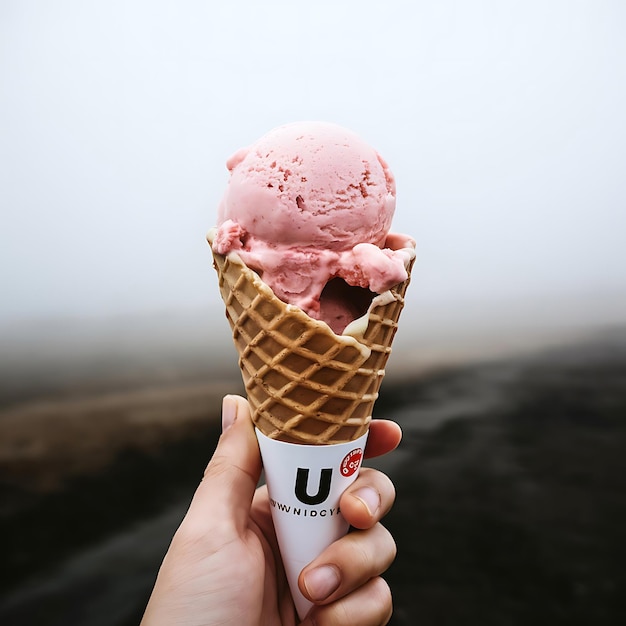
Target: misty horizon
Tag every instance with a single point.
(503, 126)
(177, 343)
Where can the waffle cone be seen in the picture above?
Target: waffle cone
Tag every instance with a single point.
(304, 383)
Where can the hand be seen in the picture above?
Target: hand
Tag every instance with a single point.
(223, 565)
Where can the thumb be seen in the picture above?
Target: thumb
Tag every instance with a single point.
(231, 476)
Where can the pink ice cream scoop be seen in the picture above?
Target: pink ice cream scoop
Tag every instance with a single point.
(309, 207)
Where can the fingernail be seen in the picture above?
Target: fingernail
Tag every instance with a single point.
(369, 497)
(229, 412)
(321, 582)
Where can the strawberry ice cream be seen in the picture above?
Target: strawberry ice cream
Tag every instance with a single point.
(309, 207)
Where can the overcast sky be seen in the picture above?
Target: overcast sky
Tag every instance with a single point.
(504, 123)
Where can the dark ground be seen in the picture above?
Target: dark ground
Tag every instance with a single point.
(518, 515)
(511, 505)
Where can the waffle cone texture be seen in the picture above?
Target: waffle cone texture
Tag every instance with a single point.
(304, 383)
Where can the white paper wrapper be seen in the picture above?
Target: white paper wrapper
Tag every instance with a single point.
(305, 484)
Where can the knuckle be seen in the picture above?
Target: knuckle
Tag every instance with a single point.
(371, 605)
(381, 595)
(217, 467)
(193, 537)
(189, 537)
(381, 590)
(390, 549)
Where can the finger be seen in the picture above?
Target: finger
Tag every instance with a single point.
(371, 605)
(368, 499)
(347, 564)
(230, 479)
(384, 436)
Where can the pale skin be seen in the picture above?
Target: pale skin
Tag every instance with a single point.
(223, 565)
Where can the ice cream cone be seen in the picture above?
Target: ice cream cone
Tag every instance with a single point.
(305, 384)
(312, 393)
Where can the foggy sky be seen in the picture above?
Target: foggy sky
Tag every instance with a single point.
(503, 123)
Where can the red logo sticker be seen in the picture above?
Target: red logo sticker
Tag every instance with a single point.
(351, 462)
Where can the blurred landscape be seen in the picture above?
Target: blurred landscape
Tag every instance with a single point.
(504, 126)
(510, 510)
